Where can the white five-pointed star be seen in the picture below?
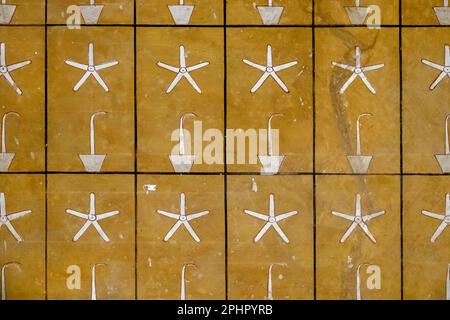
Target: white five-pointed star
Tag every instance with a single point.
(445, 218)
(6, 219)
(358, 220)
(183, 71)
(272, 220)
(5, 69)
(91, 69)
(357, 71)
(183, 219)
(91, 219)
(270, 71)
(445, 69)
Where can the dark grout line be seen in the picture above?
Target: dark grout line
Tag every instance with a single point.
(401, 150)
(220, 26)
(221, 173)
(314, 149)
(46, 153)
(135, 159)
(225, 168)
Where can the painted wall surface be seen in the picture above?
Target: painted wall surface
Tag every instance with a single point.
(93, 194)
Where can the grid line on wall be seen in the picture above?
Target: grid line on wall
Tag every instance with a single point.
(314, 147)
(46, 152)
(401, 146)
(135, 156)
(225, 167)
(314, 174)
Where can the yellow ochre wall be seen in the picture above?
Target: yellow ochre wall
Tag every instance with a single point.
(317, 131)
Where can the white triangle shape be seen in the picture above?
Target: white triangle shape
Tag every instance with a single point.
(181, 14)
(443, 15)
(270, 164)
(444, 162)
(91, 13)
(92, 162)
(6, 13)
(357, 15)
(182, 163)
(270, 15)
(5, 161)
(359, 164)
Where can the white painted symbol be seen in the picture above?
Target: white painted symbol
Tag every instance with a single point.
(6, 12)
(5, 69)
(182, 219)
(183, 71)
(92, 219)
(182, 162)
(6, 219)
(4, 267)
(358, 220)
(444, 159)
(94, 281)
(271, 162)
(445, 69)
(443, 14)
(358, 280)
(6, 157)
(359, 162)
(91, 69)
(357, 71)
(270, 71)
(357, 14)
(269, 279)
(181, 13)
(91, 13)
(93, 162)
(445, 218)
(183, 279)
(447, 288)
(271, 219)
(270, 14)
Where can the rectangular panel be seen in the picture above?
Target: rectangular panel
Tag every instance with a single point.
(166, 247)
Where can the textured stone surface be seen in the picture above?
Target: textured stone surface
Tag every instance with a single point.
(139, 263)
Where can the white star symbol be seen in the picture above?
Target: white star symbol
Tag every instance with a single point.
(5, 69)
(445, 69)
(91, 219)
(445, 218)
(271, 220)
(357, 71)
(183, 219)
(358, 220)
(91, 69)
(270, 71)
(183, 71)
(6, 219)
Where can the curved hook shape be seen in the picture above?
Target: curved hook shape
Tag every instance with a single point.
(4, 128)
(358, 134)
(358, 280)
(269, 280)
(92, 130)
(182, 118)
(269, 133)
(94, 287)
(447, 145)
(448, 283)
(4, 267)
(183, 277)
